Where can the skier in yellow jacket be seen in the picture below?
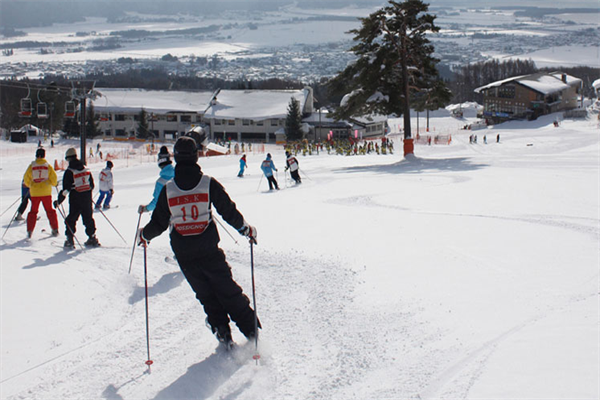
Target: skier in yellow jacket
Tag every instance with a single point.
(40, 177)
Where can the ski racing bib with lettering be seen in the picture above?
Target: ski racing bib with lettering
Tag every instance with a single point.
(190, 209)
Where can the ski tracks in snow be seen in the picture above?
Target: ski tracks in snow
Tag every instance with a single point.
(318, 341)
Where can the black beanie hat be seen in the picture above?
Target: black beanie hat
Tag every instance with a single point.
(40, 153)
(185, 151)
(164, 157)
(109, 164)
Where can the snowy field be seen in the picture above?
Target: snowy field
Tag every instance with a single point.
(466, 272)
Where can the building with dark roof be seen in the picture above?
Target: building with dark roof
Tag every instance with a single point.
(529, 96)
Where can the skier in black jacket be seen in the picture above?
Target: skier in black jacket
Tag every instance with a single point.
(78, 183)
(185, 205)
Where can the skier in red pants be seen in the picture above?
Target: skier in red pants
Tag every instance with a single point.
(40, 177)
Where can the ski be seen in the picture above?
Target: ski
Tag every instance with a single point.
(65, 248)
(105, 209)
(84, 247)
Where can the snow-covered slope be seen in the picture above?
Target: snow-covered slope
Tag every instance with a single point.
(469, 271)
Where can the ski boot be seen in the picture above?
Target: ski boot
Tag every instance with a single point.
(54, 232)
(29, 233)
(223, 334)
(69, 244)
(19, 217)
(92, 242)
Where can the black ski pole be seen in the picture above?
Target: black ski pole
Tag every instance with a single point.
(259, 182)
(10, 223)
(304, 173)
(256, 355)
(62, 214)
(9, 207)
(137, 229)
(111, 224)
(149, 361)
(226, 230)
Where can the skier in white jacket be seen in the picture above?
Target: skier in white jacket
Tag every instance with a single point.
(106, 186)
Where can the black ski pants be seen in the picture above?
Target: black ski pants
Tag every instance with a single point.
(80, 204)
(23, 205)
(272, 182)
(211, 279)
(296, 176)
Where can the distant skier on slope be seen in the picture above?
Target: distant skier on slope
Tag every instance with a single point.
(268, 166)
(292, 164)
(243, 166)
(106, 186)
(166, 174)
(78, 183)
(185, 205)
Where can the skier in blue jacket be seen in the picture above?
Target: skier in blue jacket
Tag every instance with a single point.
(243, 166)
(167, 172)
(268, 166)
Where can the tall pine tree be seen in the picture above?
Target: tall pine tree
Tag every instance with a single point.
(293, 121)
(394, 60)
(92, 125)
(142, 130)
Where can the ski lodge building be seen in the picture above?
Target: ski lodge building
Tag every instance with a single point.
(530, 96)
(239, 115)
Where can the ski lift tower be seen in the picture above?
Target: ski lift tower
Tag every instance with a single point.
(83, 90)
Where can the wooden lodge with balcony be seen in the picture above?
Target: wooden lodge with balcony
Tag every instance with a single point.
(529, 96)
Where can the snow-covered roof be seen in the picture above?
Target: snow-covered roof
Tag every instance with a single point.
(29, 127)
(254, 104)
(545, 84)
(370, 119)
(157, 101)
(498, 83)
(325, 120)
(314, 117)
(540, 82)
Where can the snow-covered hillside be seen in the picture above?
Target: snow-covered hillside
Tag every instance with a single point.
(469, 271)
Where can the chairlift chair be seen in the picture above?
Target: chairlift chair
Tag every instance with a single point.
(42, 110)
(26, 108)
(70, 109)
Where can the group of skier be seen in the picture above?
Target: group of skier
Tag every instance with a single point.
(183, 200)
(268, 167)
(77, 183)
(38, 181)
(348, 146)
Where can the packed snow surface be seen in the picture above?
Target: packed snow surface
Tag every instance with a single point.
(468, 271)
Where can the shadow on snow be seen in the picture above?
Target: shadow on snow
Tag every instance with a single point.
(165, 283)
(202, 379)
(414, 165)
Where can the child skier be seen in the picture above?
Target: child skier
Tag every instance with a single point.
(243, 166)
(185, 205)
(293, 165)
(40, 177)
(106, 186)
(78, 183)
(24, 201)
(166, 174)
(268, 166)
